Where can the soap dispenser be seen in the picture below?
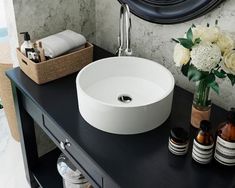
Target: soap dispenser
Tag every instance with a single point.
(27, 44)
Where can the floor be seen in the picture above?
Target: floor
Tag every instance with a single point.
(11, 162)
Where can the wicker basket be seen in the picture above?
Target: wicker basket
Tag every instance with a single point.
(58, 67)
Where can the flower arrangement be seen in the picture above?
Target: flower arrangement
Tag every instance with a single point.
(205, 54)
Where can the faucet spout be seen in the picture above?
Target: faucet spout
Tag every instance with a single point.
(125, 17)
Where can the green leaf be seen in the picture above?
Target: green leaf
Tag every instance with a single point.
(184, 69)
(197, 41)
(190, 34)
(186, 43)
(223, 72)
(210, 78)
(231, 78)
(215, 86)
(220, 74)
(194, 74)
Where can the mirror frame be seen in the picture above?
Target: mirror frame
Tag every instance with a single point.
(176, 11)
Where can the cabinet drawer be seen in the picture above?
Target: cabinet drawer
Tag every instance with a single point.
(32, 109)
(52, 131)
(72, 152)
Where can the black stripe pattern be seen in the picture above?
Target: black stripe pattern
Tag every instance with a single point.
(177, 149)
(201, 153)
(225, 152)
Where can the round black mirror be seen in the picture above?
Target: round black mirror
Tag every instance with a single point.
(170, 11)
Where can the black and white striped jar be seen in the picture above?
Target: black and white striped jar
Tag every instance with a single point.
(203, 144)
(225, 142)
(225, 152)
(202, 153)
(178, 141)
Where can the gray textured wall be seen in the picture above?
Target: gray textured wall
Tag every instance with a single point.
(42, 17)
(153, 41)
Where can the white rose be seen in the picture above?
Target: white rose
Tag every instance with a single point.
(229, 62)
(225, 42)
(206, 34)
(181, 55)
(197, 31)
(205, 56)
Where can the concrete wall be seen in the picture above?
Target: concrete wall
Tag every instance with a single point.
(42, 18)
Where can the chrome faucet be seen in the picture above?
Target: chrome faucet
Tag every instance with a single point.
(125, 17)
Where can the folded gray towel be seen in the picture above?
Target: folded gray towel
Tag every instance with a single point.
(62, 42)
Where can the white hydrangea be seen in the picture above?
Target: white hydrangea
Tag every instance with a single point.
(205, 56)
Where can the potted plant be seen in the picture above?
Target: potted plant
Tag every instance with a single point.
(205, 54)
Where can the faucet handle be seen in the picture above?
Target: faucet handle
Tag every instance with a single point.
(119, 52)
(128, 52)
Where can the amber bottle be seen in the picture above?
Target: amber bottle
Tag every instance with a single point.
(203, 144)
(225, 142)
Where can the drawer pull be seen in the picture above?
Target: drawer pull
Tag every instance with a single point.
(65, 144)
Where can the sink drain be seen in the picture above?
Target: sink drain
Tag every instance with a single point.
(124, 98)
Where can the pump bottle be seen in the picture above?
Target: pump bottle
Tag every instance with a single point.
(27, 44)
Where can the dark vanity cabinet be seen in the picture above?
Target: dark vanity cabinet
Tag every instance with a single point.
(106, 160)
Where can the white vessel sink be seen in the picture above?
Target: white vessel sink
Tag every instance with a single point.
(125, 95)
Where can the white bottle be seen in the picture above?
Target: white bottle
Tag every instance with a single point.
(27, 44)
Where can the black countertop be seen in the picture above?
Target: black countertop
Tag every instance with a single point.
(134, 161)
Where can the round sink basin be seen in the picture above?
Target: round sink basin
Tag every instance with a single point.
(125, 95)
